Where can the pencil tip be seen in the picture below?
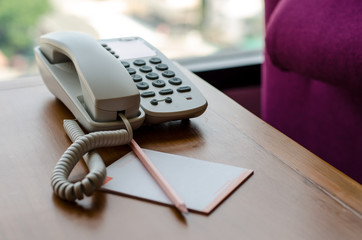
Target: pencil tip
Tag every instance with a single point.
(182, 208)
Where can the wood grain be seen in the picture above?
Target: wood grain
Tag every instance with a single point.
(292, 195)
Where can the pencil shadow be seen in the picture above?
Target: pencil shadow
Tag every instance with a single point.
(178, 215)
(182, 217)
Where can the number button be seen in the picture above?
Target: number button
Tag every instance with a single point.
(155, 60)
(139, 62)
(131, 71)
(154, 102)
(142, 85)
(125, 64)
(184, 89)
(145, 69)
(168, 74)
(136, 78)
(168, 100)
(159, 83)
(175, 81)
(148, 94)
(152, 76)
(166, 91)
(162, 67)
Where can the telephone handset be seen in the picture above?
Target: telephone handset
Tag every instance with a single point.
(97, 79)
(113, 84)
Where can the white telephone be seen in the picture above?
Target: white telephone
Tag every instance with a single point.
(97, 80)
(108, 85)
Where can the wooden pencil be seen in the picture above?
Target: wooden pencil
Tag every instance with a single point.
(162, 182)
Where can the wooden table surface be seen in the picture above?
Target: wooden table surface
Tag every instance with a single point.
(292, 195)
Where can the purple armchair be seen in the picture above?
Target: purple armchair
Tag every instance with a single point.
(312, 77)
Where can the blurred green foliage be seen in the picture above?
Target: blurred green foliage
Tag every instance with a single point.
(18, 20)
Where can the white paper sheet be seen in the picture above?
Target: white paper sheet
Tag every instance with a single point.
(201, 185)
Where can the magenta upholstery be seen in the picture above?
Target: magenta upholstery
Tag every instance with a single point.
(312, 77)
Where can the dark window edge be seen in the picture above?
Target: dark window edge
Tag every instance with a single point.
(241, 69)
(222, 61)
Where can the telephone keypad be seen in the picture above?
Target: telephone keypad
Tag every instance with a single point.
(164, 90)
(150, 75)
(143, 74)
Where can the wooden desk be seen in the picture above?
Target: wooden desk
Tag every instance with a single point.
(292, 195)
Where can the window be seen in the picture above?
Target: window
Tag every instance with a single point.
(180, 29)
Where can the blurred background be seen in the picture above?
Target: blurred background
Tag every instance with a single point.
(180, 29)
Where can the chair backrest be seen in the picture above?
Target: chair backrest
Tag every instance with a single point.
(312, 77)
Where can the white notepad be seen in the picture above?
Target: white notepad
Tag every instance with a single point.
(201, 185)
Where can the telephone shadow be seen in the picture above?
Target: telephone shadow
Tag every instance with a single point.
(90, 207)
(169, 133)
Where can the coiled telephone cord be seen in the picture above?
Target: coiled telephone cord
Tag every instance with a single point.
(83, 146)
